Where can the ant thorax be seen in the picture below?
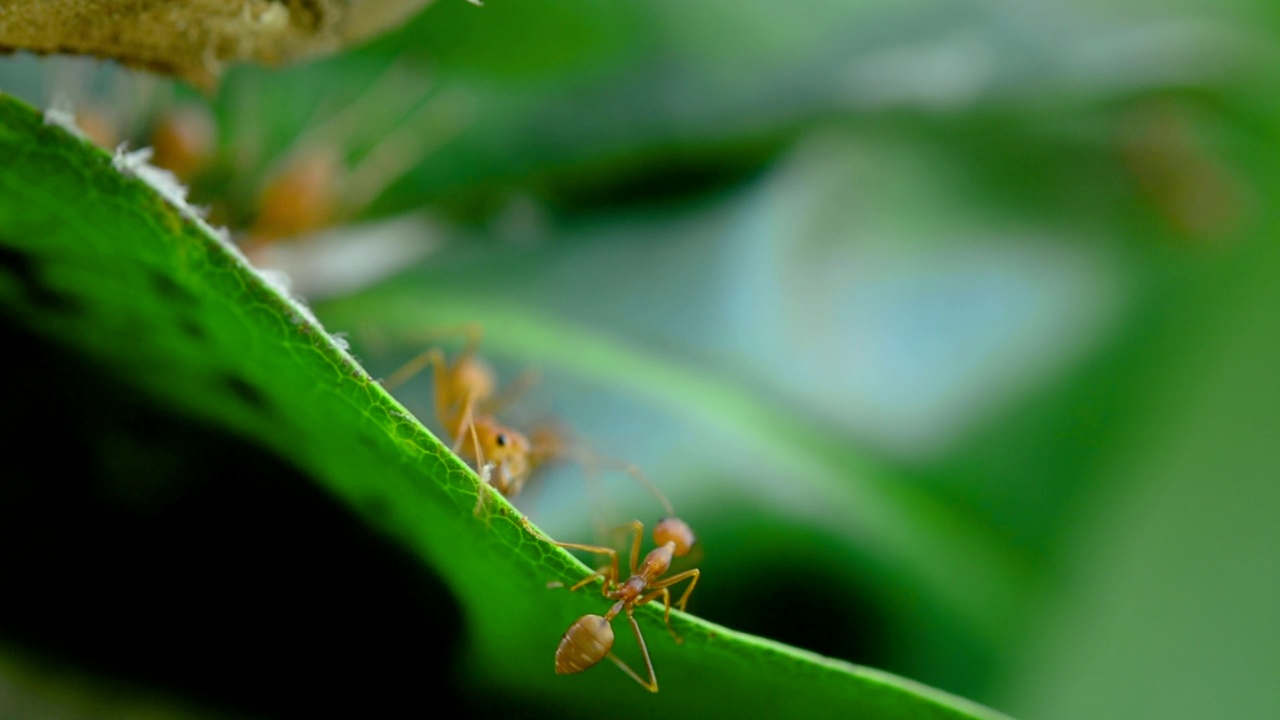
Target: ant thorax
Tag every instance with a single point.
(631, 589)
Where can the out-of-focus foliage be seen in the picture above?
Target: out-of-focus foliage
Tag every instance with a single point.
(873, 290)
(223, 345)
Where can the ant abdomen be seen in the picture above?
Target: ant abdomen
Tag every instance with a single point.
(584, 644)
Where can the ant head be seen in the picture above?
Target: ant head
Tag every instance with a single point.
(509, 451)
(676, 531)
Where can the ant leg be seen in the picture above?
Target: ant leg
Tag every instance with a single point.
(548, 443)
(435, 356)
(445, 116)
(444, 400)
(652, 685)
(512, 392)
(666, 614)
(483, 468)
(634, 471)
(329, 132)
(467, 424)
(636, 541)
(473, 333)
(601, 573)
(590, 457)
(613, 558)
(481, 498)
(695, 574)
(635, 546)
(533, 529)
(404, 373)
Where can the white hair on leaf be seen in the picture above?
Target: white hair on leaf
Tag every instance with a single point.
(136, 164)
(61, 115)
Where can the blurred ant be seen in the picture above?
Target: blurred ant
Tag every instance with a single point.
(183, 140)
(298, 199)
(590, 638)
(467, 399)
(99, 125)
(113, 107)
(315, 184)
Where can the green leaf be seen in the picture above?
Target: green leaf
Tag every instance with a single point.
(95, 261)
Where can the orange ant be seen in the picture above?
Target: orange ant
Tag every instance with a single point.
(298, 199)
(466, 401)
(100, 126)
(315, 184)
(184, 140)
(466, 398)
(590, 638)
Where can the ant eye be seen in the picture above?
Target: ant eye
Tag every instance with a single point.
(501, 440)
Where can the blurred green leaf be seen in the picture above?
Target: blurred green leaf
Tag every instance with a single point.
(1165, 605)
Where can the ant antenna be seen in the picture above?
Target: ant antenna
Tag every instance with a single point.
(410, 369)
(593, 458)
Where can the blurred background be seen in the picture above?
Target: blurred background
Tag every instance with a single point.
(950, 327)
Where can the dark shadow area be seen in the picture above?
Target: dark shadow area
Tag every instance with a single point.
(674, 176)
(784, 594)
(143, 546)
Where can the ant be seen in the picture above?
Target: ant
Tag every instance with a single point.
(298, 199)
(590, 638)
(466, 398)
(184, 140)
(315, 184)
(466, 401)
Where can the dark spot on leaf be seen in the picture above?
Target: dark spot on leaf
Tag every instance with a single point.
(192, 329)
(25, 269)
(247, 392)
(784, 593)
(168, 289)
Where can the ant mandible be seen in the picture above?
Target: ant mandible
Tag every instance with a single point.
(590, 638)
